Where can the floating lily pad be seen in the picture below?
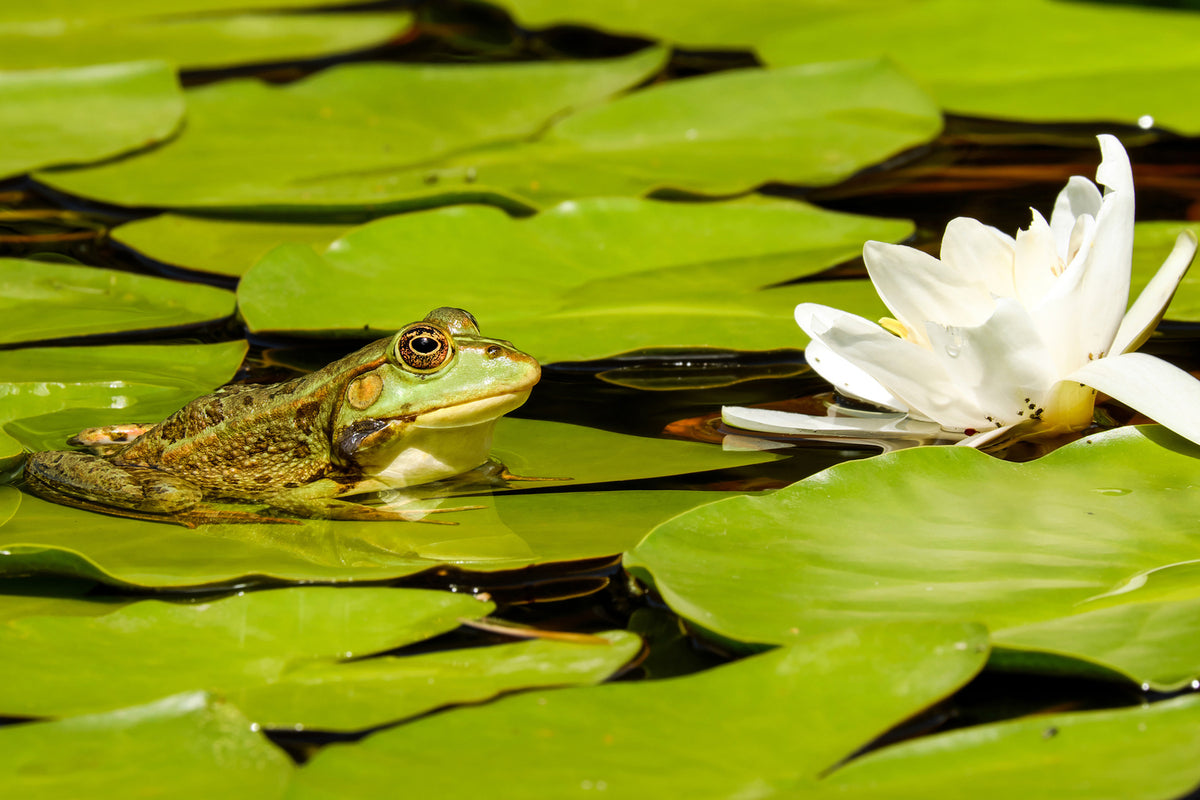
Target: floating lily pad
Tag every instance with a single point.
(49, 116)
(187, 746)
(41, 300)
(703, 134)
(153, 648)
(736, 730)
(192, 42)
(1034, 550)
(583, 280)
(509, 532)
(371, 692)
(335, 138)
(224, 247)
(1125, 754)
(963, 53)
(1152, 242)
(50, 393)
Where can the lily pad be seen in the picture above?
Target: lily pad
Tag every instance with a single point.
(935, 531)
(963, 53)
(705, 134)
(1124, 754)
(220, 246)
(50, 393)
(734, 731)
(1152, 242)
(508, 532)
(187, 746)
(41, 300)
(333, 139)
(154, 648)
(583, 280)
(191, 42)
(48, 116)
(368, 693)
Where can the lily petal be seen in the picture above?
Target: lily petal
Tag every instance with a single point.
(982, 252)
(1115, 172)
(772, 421)
(917, 287)
(1002, 365)
(847, 378)
(1161, 391)
(1147, 311)
(1036, 265)
(1079, 197)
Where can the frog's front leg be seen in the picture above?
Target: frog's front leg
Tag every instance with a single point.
(97, 479)
(329, 499)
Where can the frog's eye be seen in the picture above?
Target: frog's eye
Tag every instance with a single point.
(422, 347)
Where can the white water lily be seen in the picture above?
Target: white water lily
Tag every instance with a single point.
(1006, 337)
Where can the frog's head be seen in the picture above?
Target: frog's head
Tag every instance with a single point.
(436, 374)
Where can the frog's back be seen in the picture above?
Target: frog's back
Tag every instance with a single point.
(241, 441)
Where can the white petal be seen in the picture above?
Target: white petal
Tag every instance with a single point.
(912, 373)
(1080, 196)
(917, 287)
(1001, 367)
(982, 252)
(1036, 264)
(1114, 171)
(1144, 315)
(848, 378)
(771, 421)
(1161, 391)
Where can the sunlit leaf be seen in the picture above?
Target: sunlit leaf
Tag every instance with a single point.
(187, 746)
(51, 393)
(703, 134)
(191, 42)
(1152, 243)
(371, 692)
(49, 116)
(41, 300)
(964, 54)
(1050, 553)
(583, 280)
(153, 648)
(737, 730)
(339, 137)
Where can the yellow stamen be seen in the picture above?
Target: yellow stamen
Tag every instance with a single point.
(894, 326)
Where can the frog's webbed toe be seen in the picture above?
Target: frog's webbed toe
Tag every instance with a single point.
(332, 508)
(96, 479)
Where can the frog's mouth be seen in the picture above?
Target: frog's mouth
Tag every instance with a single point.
(472, 412)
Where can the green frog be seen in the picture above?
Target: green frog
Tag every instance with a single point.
(411, 409)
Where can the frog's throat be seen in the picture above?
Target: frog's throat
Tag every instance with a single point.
(473, 412)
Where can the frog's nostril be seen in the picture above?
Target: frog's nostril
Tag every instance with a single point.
(494, 350)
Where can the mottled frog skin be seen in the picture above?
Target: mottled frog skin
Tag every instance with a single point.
(410, 409)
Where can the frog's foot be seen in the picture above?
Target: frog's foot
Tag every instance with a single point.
(332, 508)
(109, 438)
(505, 475)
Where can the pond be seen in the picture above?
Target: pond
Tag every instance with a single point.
(649, 600)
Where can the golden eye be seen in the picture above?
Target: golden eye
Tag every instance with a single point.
(422, 347)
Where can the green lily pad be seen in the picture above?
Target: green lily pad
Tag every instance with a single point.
(187, 746)
(508, 532)
(931, 532)
(583, 280)
(15, 14)
(703, 134)
(1139, 753)
(153, 648)
(734, 731)
(963, 53)
(192, 42)
(41, 300)
(51, 393)
(220, 246)
(353, 125)
(365, 694)
(48, 116)
(1152, 243)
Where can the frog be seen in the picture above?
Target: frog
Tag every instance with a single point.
(407, 410)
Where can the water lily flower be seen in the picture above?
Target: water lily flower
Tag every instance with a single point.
(1004, 338)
